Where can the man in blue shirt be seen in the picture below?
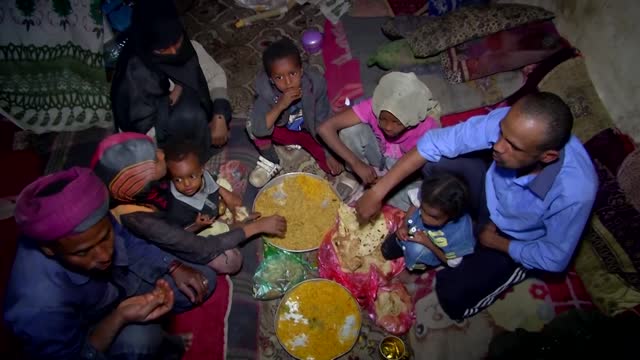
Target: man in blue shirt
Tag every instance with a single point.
(536, 199)
(82, 287)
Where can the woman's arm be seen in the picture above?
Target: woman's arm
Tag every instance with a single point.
(329, 129)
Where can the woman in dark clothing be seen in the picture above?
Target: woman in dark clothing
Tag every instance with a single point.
(168, 86)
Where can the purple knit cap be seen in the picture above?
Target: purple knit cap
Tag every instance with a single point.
(79, 205)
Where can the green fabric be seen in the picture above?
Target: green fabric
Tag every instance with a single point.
(55, 81)
(396, 55)
(609, 292)
(51, 65)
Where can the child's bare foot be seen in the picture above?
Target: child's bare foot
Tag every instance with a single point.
(335, 166)
(187, 339)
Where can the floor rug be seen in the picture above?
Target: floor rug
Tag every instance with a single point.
(209, 338)
(528, 305)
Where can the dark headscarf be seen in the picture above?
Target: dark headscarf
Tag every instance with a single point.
(155, 25)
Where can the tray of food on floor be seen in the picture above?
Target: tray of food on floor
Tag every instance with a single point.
(318, 319)
(308, 202)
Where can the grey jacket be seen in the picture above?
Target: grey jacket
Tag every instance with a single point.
(315, 103)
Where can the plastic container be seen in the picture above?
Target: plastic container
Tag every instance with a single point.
(312, 41)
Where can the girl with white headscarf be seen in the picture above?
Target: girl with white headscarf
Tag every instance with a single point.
(373, 134)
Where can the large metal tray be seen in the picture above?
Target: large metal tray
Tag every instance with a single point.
(277, 181)
(286, 296)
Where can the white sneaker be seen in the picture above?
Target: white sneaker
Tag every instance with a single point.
(264, 171)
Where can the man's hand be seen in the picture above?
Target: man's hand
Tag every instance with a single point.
(272, 225)
(174, 95)
(489, 237)
(204, 220)
(191, 282)
(368, 206)
(219, 130)
(288, 97)
(365, 172)
(149, 306)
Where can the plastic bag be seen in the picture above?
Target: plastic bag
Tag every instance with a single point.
(393, 309)
(363, 286)
(279, 271)
(261, 5)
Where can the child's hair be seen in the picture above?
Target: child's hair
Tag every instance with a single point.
(179, 150)
(277, 50)
(446, 192)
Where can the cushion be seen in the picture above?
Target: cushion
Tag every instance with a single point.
(608, 259)
(570, 80)
(397, 55)
(503, 51)
(403, 26)
(470, 23)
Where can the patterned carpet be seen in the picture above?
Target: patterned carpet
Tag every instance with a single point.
(211, 22)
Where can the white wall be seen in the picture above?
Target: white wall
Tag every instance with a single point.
(607, 32)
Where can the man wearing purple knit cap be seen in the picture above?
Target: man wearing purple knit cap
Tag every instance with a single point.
(83, 287)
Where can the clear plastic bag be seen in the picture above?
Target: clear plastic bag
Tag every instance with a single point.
(393, 309)
(278, 272)
(363, 286)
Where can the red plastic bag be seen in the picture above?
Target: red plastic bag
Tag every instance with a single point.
(363, 286)
(398, 316)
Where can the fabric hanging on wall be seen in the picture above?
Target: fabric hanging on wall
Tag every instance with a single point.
(51, 65)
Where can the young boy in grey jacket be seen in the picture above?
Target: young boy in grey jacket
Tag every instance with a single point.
(291, 102)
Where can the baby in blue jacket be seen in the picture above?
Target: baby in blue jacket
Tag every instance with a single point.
(437, 229)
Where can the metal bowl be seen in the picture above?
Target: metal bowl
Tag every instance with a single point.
(277, 181)
(286, 296)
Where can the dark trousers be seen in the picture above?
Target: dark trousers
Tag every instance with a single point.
(477, 282)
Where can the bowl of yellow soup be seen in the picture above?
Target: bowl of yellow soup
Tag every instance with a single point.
(318, 319)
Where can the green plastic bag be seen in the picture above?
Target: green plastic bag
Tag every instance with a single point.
(279, 271)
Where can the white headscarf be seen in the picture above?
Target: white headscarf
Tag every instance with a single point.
(406, 97)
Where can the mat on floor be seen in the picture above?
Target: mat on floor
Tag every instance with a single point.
(210, 336)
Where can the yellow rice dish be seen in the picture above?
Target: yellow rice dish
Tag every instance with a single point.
(310, 206)
(318, 320)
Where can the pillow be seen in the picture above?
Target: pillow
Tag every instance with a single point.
(397, 55)
(470, 23)
(503, 51)
(403, 26)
